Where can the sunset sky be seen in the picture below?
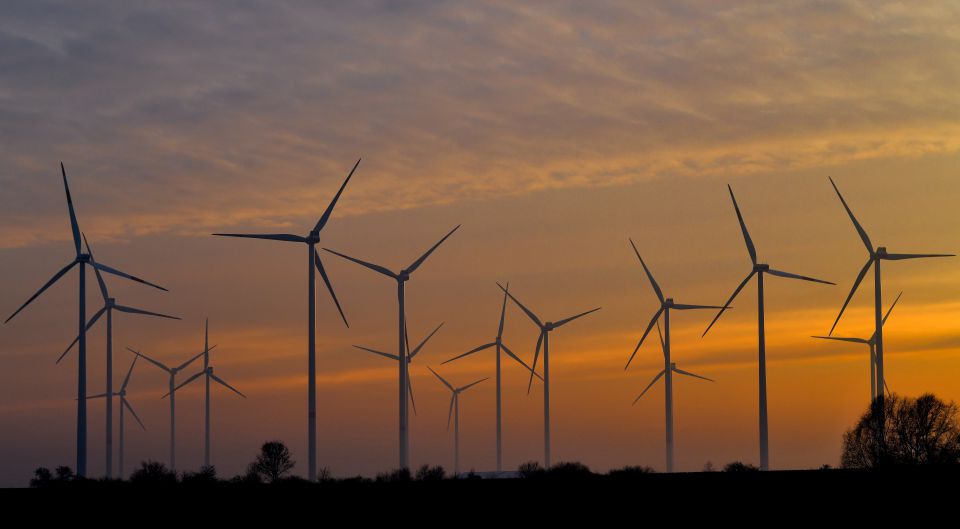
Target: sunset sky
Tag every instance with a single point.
(552, 132)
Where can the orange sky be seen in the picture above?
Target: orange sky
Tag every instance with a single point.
(552, 134)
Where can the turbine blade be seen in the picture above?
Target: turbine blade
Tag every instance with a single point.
(188, 362)
(863, 234)
(131, 310)
(73, 216)
(424, 342)
(286, 237)
(371, 266)
(470, 352)
(503, 312)
(887, 315)
(729, 301)
(903, 256)
(100, 282)
(663, 344)
(650, 385)
(406, 337)
(189, 380)
(326, 214)
(656, 287)
(521, 362)
(126, 380)
(148, 359)
(413, 403)
(326, 281)
(743, 227)
(450, 413)
(374, 351)
(97, 396)
(788, 275)
(416, 264)
(123, 401)
(682, 372)
(853, 290)
(527, 311)
(52, 280)
(682, 306)
(445, 383)
(536, 356)
(653, 321)
(228, 386)
(852, 340)
(470, 385)
(116, 272)
(77, 339)
(571, 318)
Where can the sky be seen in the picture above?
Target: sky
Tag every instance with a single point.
(553, 132)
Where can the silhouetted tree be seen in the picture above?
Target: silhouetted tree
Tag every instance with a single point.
(65, 473)
(324, 474)
(569, 470)
(739, 466)
(428, 473)
(273, 462)
(530, 469)
(42, 477)
(921, 431)
(207, 475)
(630, 471)
(708, 467)
(394, 476)
(153, 473)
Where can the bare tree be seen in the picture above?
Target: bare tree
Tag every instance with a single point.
(921, 431)
(273, 461)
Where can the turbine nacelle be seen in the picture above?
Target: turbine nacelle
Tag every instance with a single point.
(761, 267)
(313, 237)
(667, 303)
(83, 258)
(403, 276)
(110, 302)
(880, 252)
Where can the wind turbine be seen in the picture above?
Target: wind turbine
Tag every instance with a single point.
(668, 367)
(109, 305)
(758, 269)
(207, 373)
(124, 403)
(544, 340)
(871, 343)
(498, 344)
(455, 412)
(81, 259)
(668, 370)
(313, 264)
(172, 372)
(401, 278)
(410, 355)
(876, 255)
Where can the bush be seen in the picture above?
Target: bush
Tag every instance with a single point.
(921, 431)
(394, 476)
(739, 466)
(153, 473)
(428, 473)
(630, 471)
(531, 469)
(207, 475)
(569, 470)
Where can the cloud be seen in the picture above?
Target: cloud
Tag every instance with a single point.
(179, 118)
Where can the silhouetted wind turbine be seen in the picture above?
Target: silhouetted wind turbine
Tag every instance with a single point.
(668, 370)
(758, 269)
(82, 259)
(313, 262)
(498, 343)
(544, 340)
(871, 343)
(123, 404)
(207, 373)
(109, 305)
(401, 278)
(668, 367)
(876, 255)
(410, 355)
(455, 413)
(172, 372)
